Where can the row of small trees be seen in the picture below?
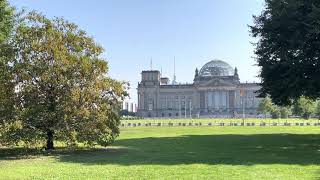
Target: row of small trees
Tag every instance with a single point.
(303, 107)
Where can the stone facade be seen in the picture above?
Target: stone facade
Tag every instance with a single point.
(215, 92)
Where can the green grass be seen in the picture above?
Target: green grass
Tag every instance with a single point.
(180, 153)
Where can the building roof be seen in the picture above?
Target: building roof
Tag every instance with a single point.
(216, 68)
(151, 71)
(177, 86)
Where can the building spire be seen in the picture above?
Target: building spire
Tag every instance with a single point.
(196, 73)
(236, 73)
(174, 71)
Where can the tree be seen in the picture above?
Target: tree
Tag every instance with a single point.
(63, 90)
(6, 86)
(6, 17)
(304, 107)
(265, 106)
(284, 112)
(288, 49)
(317, 111)
(275, 112)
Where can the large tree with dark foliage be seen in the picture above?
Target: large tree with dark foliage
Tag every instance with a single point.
(288, 49)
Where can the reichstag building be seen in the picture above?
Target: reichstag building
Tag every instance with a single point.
(216, 91)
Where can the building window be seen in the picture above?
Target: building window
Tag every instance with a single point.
(150, 106)
(170, 104)
(163, 102)
(183, 103)
(176, 105)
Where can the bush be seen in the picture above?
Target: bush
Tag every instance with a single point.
(284, 112)
(304, 107)
(275, 113)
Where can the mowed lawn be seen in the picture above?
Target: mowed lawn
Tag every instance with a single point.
(180, 153)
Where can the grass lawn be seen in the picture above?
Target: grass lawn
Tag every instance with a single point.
(180, 153)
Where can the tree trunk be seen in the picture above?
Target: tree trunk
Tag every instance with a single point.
(50, 140)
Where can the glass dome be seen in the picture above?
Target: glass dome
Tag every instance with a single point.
(216, 68)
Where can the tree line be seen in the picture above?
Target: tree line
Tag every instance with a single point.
(303, 107)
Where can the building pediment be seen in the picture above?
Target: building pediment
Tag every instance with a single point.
(217, 82)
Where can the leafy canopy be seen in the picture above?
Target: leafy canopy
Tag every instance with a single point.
(6, 86)
(285, 112)
(63, 89)
(288, 49)
(317, 110)
(6, 20)
(265, 106)
(304, 107)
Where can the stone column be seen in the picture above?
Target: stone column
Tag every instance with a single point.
(202, 100)
(227, 99)
(142, 101)
(206, 101)
(139, 100)
(231, 100)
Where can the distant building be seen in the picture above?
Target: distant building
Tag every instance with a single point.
(215, 92)
(126, 107)
(131, 107)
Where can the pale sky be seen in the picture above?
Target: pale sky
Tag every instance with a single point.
(133, 31)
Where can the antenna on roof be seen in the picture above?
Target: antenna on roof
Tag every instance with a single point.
(174, 71)
(161, 72)
(151, 65)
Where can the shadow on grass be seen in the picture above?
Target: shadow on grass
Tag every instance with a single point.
(25, 153)
(196, 149)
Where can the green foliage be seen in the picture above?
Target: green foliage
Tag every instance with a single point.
(285, 112)
(6, 20)
(64, 92)
(288, 50)
(6, 86)
(304, 107)
(317, 110)
(275, 112)
(265, 106)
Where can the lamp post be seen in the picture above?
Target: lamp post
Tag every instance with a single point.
(190, 110)
(185, 109)
(242, 97)
(180, 108)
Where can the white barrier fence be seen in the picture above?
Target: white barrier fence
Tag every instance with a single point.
(172, 124)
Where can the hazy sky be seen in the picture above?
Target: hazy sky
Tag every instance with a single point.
(133, 31)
